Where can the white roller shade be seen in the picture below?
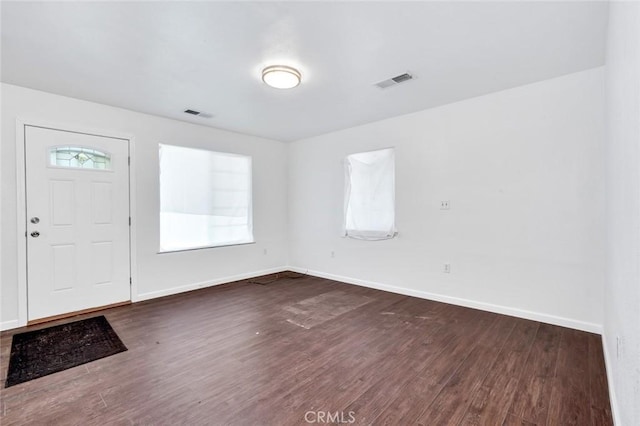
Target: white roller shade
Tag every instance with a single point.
(205, 198)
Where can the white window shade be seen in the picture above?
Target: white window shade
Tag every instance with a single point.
(370, 195)
(205, 198)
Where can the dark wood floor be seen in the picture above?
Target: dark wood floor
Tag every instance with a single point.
(251, 354)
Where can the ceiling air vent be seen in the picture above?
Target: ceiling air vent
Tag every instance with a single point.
(394, 80)
(198, 113)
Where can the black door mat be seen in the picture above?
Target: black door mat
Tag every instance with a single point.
(50, 350)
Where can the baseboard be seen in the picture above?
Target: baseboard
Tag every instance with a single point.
(520, 313)
(8, 325)
(204, 284)
(612, 391)
(505, 310)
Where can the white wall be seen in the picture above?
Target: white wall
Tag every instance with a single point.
(622, 295)
(524, 172)
(169, 272)
(522, 168)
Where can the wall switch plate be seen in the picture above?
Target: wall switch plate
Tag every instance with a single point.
(445, 205)
(446, 268)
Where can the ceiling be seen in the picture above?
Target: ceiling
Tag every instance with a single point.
(164, 57)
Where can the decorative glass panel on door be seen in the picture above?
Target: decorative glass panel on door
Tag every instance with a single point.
(78, 157)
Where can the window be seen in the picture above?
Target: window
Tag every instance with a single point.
(205, 199)
(79, 158)
(370, 195)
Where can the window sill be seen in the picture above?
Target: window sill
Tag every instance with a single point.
(205, 247)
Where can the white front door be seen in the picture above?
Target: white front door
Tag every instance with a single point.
(77, 192)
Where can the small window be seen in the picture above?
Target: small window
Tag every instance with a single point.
(79, 158)
(370, 195)
(205, 199)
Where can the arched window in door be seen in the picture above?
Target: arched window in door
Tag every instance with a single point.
(79, 158)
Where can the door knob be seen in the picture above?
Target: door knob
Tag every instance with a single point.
(35, 220)
(35, 234)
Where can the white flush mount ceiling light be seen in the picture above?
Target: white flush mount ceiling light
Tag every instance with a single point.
(281, 76)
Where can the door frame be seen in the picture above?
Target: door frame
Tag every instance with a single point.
(21, 205)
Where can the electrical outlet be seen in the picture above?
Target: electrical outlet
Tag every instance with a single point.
(446, 268)
(333, 254)
(445, 205)
(265, 251)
